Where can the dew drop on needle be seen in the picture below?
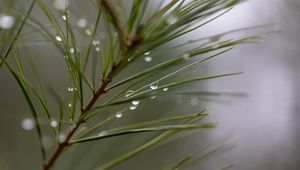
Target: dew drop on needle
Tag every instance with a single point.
(154, 85)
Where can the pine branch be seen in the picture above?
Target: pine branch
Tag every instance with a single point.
(101, 90)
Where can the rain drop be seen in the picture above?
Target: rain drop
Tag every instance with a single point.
(128, 93)
(53, 123)
(135, 102)
(58, 38)
(165, 89)
(152, 97)
(97, 49)
(69, 105)
(65, 15)
(147, 53)
(6, 21)
(61, 138)
(28, 124)
(132, 107)
(119, 115)
(96, 42)
(72, 50)
(154, 86)
(129, 59)
(82, 23)
(88, 31)
(148, 59)
(70, 89)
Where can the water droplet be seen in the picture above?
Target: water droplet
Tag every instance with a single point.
(195, 101)
(128, 93)
(66, 57)
(186, 56)
(88, 31)
(165, 89)
(132, 107)
(135, 102)
(58, 38)
(171, 19)
(53, 123)
(61, 4)
(82, 23)
(96, 42)
(148, 59)
(152, 97)
(119, 115)
(147, 53)
(154, 86)
(97, 49)
(62, 138)
(70, 89)
(69, 105)
(6, 21)
(28, 124)
(72, 50)
(129, 59)
(65, 15)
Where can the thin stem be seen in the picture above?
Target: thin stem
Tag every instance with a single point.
(96, 95)
(116, 22)
(62, 145)
(128, 47)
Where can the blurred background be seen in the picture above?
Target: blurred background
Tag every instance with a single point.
(264, 126)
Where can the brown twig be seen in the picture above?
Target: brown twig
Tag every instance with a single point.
(129, 44)
(124, 36)
(62, 145)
